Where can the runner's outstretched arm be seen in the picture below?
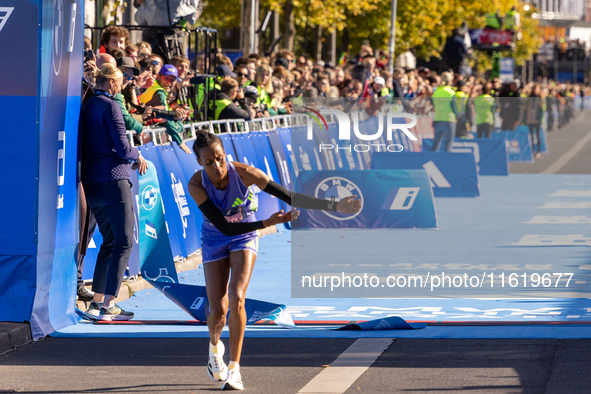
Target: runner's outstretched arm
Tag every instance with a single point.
(251, 175)
(217, 218)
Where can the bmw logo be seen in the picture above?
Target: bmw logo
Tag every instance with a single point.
(149, 198)
(339, 188)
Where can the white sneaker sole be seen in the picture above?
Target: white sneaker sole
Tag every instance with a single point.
(232, 386)
(217, 377)
(114, 318)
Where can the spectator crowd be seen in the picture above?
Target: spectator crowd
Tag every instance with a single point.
(168, 94)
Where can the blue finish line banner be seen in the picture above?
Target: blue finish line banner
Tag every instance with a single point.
(193, 300)
(451, 174)
(389, 199)
(490, 153)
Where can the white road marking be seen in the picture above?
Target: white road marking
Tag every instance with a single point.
(568, 205)
(348, 367)
(553, 240)
(567, 156)
(572, 193)
(560, 220)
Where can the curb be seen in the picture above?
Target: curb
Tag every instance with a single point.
(129, 287)
(13, 335)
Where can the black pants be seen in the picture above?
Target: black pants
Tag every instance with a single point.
(535, 128)
(484, 130)
(111, 204)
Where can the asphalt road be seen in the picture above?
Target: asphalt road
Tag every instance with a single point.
(560, 142)
(101, 365)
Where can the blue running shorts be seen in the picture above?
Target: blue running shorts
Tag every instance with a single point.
(222, 250)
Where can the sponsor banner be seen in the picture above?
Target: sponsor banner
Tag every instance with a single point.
(267, 205)
(492, 37)
(150, 153)
(175, 194)
(193, 300)
(389, 199)
(228, 146)
(518, 142)
(155, 251)
(280, 141)
(490, 154)
(306, 153)
(451, 174)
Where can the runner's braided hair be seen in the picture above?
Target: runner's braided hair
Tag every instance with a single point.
(204, 139)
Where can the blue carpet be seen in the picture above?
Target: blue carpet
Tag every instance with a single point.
(474, 236)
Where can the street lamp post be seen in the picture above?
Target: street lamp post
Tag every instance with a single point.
(392, 35)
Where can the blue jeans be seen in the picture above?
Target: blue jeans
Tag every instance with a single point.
(445, 130)
(111, 204)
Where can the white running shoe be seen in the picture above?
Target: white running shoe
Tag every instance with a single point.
(216, 368)
(234, 381)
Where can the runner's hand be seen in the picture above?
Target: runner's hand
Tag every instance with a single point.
(349, 205)
(280, 217)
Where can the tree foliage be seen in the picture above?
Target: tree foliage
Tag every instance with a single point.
(422, 25)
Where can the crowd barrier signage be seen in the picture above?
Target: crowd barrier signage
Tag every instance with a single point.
(451, 174)
(490, 154)
(389, 199)
(280, 141)
(518, 142)
(155, 252)
(178, 200)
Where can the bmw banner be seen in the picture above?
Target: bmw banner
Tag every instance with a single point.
(389, 199)
(155, 254)
(451, 174)
(518, 142)
(490, 153)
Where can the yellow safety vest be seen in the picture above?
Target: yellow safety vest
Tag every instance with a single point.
(442, 99)
(147, 96)
(219, 107)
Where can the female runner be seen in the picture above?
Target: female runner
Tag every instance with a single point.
(223, 193)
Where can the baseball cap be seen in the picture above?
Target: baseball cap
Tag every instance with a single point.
(128, 62)
(251, 91)
(169, 69)
(224, 71)
(379, 81)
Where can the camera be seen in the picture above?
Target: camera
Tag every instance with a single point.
(88, 55)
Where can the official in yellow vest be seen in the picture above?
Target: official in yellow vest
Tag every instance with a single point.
(224, 104)
(461, 101)
(485, 113)
(156, 97)
(446, 110)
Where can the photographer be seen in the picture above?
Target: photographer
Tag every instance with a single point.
(251, 97)
(130, 73)
(156, 97)
(224, 106)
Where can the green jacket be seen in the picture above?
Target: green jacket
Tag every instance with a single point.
(130, 122)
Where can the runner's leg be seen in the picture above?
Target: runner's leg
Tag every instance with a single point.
(241, 263)
(217, 274)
